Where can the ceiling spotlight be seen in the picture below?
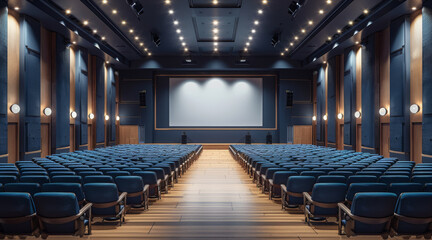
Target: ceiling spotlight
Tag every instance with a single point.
(171, 11)
(215, 30)
(136, 38)
(365, 11)
(167, 2)
(106, 62)
(107, 117)
(414, 108)
(250, 38)
(176, 22)
(340, 116)
(256, 22)
(47, 111)
(131, 30)
(291, 44)
(329, 38)
(325, 117)
(286, 49)
(91, 116)
(264, 1)
(314, 118)
(181, 38)
(329, 1)
(15, 108)
(178, 31)
(141, 44)
(118, 118)
(215, 49)
(85, 22)
(74, 114)
(339, 31)
(382, 111)
(215, 2)
(253, 31)
(215, 22)
(183, 44)
(94, 31)
(186, 49)
(123, 22)
(310, 22)
(357, 42)
(357, 114)
(104, 1)
(74, 42)
(149, 53)
(321, 11)
(303, 30)
(295, 38)
(350, 23)
(248, 43)
(215, 43)
(215, 38)
(68, 11)
(145, 49)
(413, 8)
(245, 49)
(114, 11)
(325, 62)
(282, 54)
(260, 11)
(103, 38)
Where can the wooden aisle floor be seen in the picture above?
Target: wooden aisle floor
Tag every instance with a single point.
(214, 199)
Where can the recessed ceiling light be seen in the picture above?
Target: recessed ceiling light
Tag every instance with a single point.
(171, 11)
(215, 38)
(321, 11)
(85, 22)
(183, 44)
(73, 42)
(107, 62)
(253, 31)
(215, 2)
(131, 30)
(215, 43)
(103, 37)
(123, 22)
(338, 31)
(149, 53)
(310, 22)
(329, 1)
(167, 2)
(68, 11)
(260, 11)
(16, 8)
(215, 49)
(357, 42)
(282, 54)
(215, 30)
(104, 1)
(248, 43)
(245, 49)
(186, 49)
(303, 30)
(94, 30)
(145, 49)
(329, 38)
(136, 37)
(286, 49)
(215, 22)
(141, 44)
(350, 22)
(324, 62)
(181, 38)
(250, 38)
(295, 38)
(365, 11)
(414, 8)
(291, 44)
(176, 22)
(178, 30)
(114, 11)
(264, 1)
(256, 22)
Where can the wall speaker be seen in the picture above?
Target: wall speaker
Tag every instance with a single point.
(184, 138)
(269, 138)
(289, 98)
(248, 138)
(142, 98)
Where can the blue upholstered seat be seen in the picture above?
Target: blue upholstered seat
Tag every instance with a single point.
(59, 214)
(315, 174)
(66, 179)
(41, 179)
(65, 187)
(115, 174)
(8, 179)
(98, 179)
(361, 179)
(388, 179)
(134, 187)
(295, 186)
(19, 206)
(422, 179)
(355, 188)
(399, 188)
(331, 179)
(31, 188)
(150, 178)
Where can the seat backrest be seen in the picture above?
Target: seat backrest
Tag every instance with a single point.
(114, 174)
(281, 177)
(361, 179)
(422, 179)
(65, 187)
(41, 179)
(160, 173)
(299, 184)
(129, 184)
(399, 188)
(374, 204)
(101, 192)
(66, 179)
(31, 188)
(329, 192)
(331, 179)
(315, 174)
(148, 177)
(7, 179)
(98, 179)
(388, 179)
(416, 205)
(14, 204)
(355, 188)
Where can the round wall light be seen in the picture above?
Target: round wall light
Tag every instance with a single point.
(414, 108)
(382, 111)
(47, 111)
(325, 117)
(106, 117)
(357, 114)
(118, 118)
(15, 108)
(340, 116)
(74, 114)
(314, 118)
(91, 116)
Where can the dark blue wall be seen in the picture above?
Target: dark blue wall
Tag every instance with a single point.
(81, 99)
(29, 126)
(400, 88)
(3, 81)
(370, 96)
(321, 111)
(100, 102)
(111, 104)
(349, 99)
(331, 101)
(427, 81)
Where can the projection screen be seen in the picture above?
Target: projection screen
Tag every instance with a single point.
(216, 102)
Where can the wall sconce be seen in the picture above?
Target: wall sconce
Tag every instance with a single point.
(15, 108)
(106, 117)
(118, 118)
(91, 116)
(414, 108)
(47, 111)
(340, 116)
(357, 114)
(314, 118)
(74, 114)
(382, 111)
(325, 117)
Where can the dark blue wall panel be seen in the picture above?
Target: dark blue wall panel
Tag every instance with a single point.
(370, 95)
(62, 82)
(427, 80)
(349, 99)
(320, 124)
(29, 88)
(331, 100)
(3, 80)
(111, 91)
(100, 101)
(400, 87)
(81, 98)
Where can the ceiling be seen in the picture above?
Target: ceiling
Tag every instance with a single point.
(115, 24)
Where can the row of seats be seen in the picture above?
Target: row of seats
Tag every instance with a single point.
(324, 182)
(104, 183)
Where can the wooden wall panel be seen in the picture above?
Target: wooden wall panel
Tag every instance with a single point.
(416, 146)
(385, 140)
(129, 134)
(416, 87)
(13, 142)
(384, 75)
(91, 101)
(303, 134)
(45, 139)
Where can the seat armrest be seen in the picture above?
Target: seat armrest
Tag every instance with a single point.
(308, 197)
(158, 182)
(86, 208)
(122, 197)
(345, 209)
(146, 188)
(283, 187)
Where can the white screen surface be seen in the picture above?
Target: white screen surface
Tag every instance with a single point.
(215, 102)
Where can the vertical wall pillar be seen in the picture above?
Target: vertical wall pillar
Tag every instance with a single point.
(100, 103)
(349, 100)
(29, 127)
(321, 106)
(81, 99)
(400, 88)
(3, 82)
(427, 82)
(332, 100)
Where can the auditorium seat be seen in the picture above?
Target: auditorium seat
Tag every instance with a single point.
(17, 215)
(66, 179)
(115, 174)
(413, 215)
(355, 188)
(31, 188)
(394, 179)
(61, 173)
(41, 179)
(422, 179)
(74, 188)
(137, 192)
(370, 214)
(399, 188)
(361, 179)
(98, 179)
(315, 174)
(279, 178)
(331, 179)
(322, 203)
(292, 192)
(8, 179)
(162, 176)
(150, 178)
(106, 201)
(267, 176)
(89, 173)
(60, 214)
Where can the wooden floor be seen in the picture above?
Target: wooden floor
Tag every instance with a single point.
(214, 199)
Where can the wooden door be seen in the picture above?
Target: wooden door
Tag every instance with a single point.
(416, 143)
(385, 140)
(13, 144)
(45, 139)
(358, 138)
